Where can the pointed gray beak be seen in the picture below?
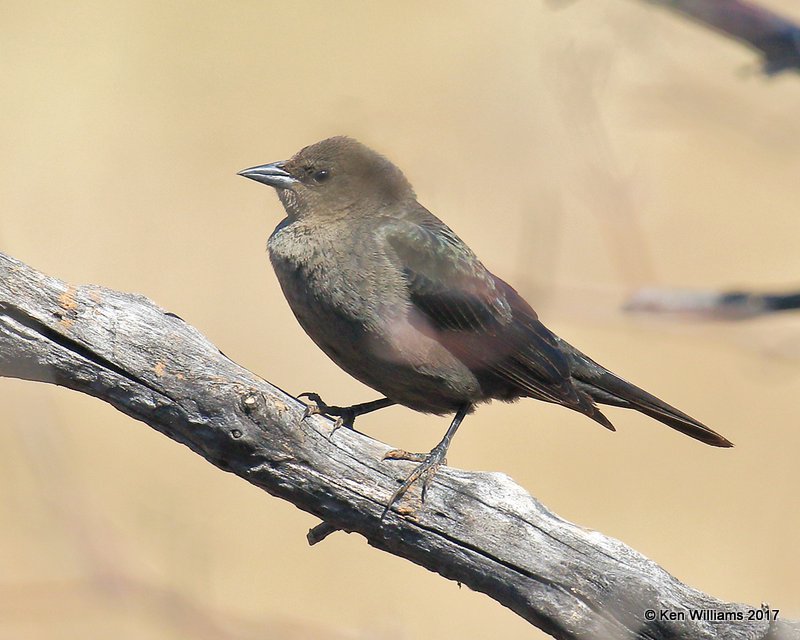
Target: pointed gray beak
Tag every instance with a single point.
(271, 174)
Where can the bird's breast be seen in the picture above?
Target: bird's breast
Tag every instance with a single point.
(353, 303)
(332, 272)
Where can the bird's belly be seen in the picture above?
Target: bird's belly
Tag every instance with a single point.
(380, 347)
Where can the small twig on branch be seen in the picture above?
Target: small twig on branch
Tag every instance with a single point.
(320, 532)
(480, 529)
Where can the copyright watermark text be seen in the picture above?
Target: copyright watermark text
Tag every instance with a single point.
(711, 615)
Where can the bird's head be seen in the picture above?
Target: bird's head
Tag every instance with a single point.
(336, 177)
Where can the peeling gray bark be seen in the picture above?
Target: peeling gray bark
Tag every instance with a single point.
(480, 529)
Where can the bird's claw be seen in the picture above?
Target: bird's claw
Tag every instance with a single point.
(344, 416)
(342, 421)
(314, 406)
(429, 464)
(317, 406)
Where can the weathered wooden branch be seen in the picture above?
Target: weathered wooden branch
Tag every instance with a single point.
(480, 529)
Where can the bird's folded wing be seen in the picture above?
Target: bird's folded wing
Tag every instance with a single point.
(480, 318)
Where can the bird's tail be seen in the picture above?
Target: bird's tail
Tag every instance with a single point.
(607, 388)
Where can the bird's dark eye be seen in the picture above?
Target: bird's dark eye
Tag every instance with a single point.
(322, 175)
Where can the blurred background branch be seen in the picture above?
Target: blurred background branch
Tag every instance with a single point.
(777, 38)
(480, 529)
(714, 305)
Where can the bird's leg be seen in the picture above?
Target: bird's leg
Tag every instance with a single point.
(345, 416)
(429, 462)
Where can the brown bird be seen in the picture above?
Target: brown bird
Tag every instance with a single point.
(401, 303)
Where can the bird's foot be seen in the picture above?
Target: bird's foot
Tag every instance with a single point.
(344, 416)
(429, 463)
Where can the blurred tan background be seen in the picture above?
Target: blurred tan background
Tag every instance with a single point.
(581, 149)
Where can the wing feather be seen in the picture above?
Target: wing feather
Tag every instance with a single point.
(481, 319)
